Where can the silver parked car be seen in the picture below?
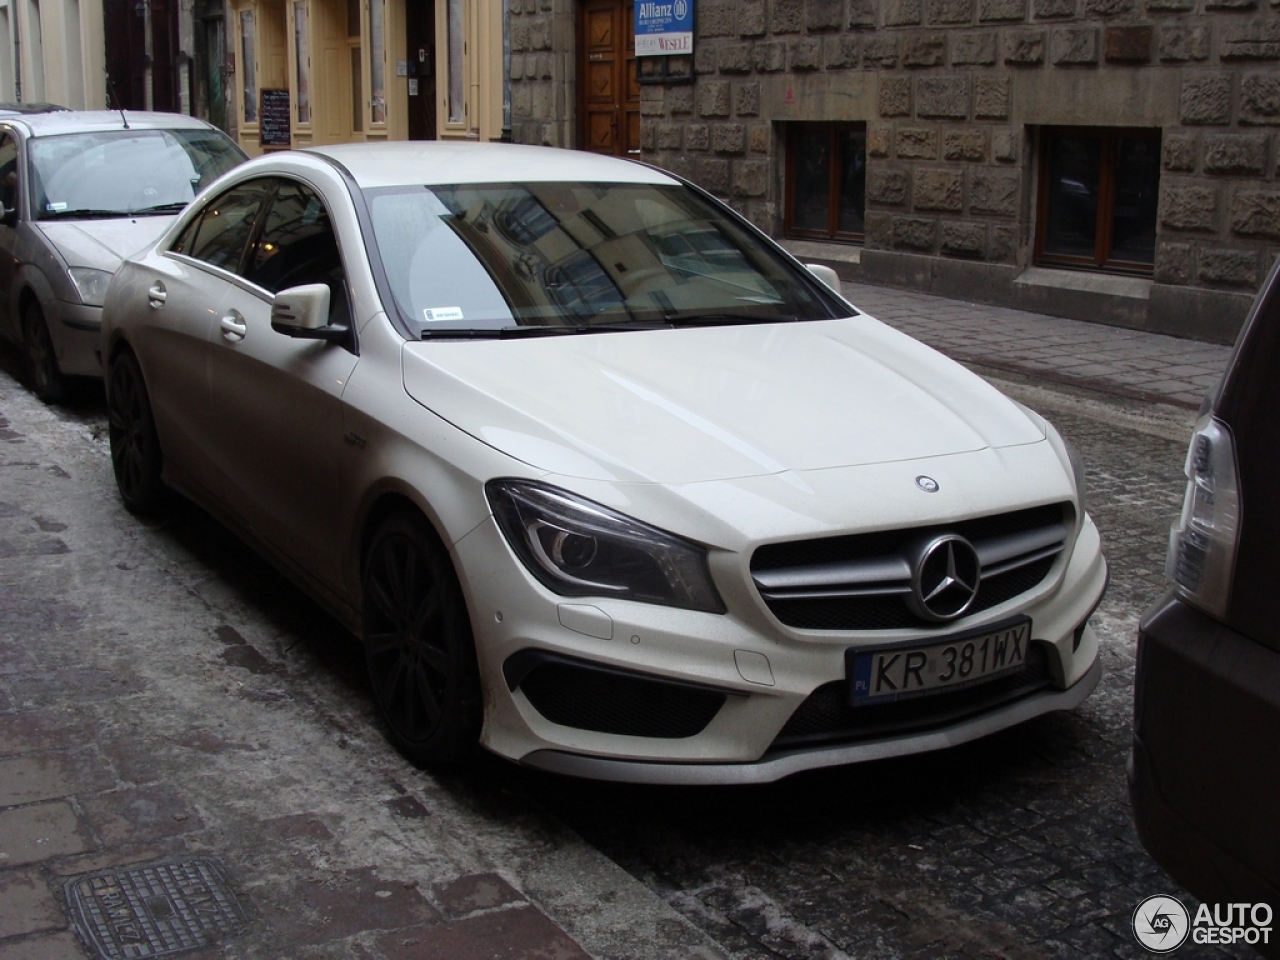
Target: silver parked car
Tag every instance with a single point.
(81, 191)
(604, 479)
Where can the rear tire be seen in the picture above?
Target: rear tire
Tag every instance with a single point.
(419, 650)
(136, 459)
(47, 381)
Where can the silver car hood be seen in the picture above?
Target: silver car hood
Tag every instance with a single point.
(714, 403)
(102, 244)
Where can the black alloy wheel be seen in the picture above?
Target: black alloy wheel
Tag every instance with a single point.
(418, 646)
(42, 359)
(135, 447)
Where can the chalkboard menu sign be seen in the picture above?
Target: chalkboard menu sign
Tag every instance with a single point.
(273, 119)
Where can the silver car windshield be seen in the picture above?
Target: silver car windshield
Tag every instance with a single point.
(125, 173)
(577, 256)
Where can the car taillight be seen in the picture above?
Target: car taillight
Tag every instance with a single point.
(1202, 545)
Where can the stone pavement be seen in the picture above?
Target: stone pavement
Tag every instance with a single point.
(1132, 363)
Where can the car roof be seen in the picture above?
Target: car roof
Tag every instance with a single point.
(96, 121)
(445, 162)
(21, 109)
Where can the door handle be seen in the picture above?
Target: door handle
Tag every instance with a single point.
(156, 295)
(233, 326)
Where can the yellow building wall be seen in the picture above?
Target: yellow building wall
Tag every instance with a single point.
(333, 54)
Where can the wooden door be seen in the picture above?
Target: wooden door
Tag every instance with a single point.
(420, 34)
(609, 93)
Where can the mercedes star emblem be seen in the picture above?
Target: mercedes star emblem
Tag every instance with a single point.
(944, 578)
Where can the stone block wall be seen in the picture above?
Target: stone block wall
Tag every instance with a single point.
(953, 94)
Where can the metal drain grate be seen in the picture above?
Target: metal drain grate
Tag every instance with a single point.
(154, 911)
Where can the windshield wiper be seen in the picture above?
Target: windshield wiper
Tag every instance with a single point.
(84, 214)
(518, 332)
(722, 319)
(176, 207)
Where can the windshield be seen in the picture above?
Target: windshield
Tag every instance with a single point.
(125, 172)
(489, 257)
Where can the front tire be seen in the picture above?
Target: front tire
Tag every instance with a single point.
(135, 447)
(47, 382)
(419, 650)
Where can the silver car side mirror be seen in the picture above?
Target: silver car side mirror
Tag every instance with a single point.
(826, 275)
(303, 308)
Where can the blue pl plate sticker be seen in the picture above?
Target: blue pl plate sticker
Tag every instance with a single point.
(439, 314)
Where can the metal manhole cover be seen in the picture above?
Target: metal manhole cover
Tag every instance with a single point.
(154, 911)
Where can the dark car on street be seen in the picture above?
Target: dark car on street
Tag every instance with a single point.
(1204, 772)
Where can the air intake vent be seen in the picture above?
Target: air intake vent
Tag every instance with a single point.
(575, 693)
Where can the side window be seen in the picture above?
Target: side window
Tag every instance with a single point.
(224, 227)
(188, 236)
(9, 173)
(297, 245)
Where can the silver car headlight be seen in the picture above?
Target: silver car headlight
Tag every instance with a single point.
(580, 548)
(91, 284)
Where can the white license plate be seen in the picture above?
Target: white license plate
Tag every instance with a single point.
(882, 675)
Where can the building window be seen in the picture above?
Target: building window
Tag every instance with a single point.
(377, 52)
(249, 66)
(826, 181)
(456, 63)
(303, 58)
(1099, 189)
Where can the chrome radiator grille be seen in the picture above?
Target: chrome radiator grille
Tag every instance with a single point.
(864, 581)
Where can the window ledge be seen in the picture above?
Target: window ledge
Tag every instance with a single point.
(816, 250)
(1109, 284)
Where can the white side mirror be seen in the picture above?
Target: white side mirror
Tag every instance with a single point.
(304, 307)
(826, 275)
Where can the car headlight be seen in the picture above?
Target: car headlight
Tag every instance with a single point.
(579, 548)
(91, 284)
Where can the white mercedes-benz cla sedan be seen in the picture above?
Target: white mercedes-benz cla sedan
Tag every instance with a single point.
(604, 480)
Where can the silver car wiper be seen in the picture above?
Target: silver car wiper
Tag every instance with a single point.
(176, 207)
(87, 214)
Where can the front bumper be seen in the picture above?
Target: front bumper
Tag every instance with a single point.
(1204, 772)
(761, 671)
(76, 331)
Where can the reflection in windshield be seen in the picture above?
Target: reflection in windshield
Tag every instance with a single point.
(125, 172)
(487, 256)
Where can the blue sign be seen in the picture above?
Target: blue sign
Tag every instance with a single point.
(664, 27)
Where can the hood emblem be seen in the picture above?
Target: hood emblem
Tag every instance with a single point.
(944, 578)
(927, 484)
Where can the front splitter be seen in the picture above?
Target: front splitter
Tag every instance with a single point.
(784, 764)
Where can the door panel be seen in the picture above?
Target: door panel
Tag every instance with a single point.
(279, 431)
(178, 301)
(609, 98)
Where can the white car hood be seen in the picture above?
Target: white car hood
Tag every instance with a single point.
(103, 244)
(713, 403)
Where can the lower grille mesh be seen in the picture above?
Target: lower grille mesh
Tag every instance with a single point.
(826, 717)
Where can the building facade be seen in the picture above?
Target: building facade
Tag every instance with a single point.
(337, 71)
(1102, 159)
(52, 51)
